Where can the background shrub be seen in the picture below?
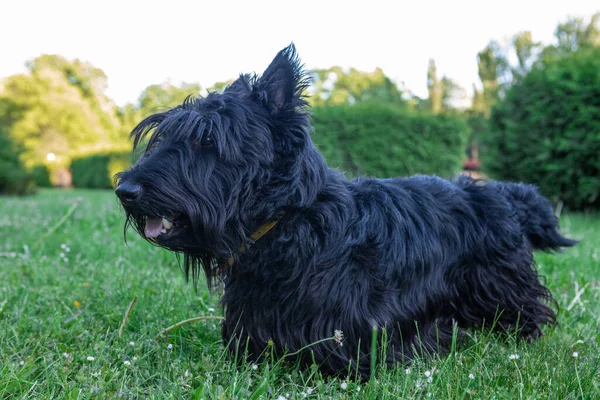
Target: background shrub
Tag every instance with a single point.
(41, 175)
(384, 141)
(547, 130)
(14, 177)
(96, 171)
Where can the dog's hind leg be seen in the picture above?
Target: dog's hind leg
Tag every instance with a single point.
(506, 296)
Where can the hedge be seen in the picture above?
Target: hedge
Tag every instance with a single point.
(379, 140)
(96, 171)
(547, 130)
(41, 175)
(363, 139)
(14, 177)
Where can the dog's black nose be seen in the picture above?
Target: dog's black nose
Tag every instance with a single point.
(128, 192)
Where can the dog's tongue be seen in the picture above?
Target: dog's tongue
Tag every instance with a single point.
(153, 228)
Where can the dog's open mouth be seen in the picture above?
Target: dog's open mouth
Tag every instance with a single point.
(156, 226)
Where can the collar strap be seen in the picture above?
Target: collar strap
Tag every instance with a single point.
(256, 235)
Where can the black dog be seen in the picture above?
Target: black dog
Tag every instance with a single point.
(233, 182)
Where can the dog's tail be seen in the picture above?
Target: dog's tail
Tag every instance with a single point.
(536, 216)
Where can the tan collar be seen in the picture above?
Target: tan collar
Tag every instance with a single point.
(257, 234)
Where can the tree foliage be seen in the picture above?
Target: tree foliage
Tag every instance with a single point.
(335, 86)
(445, 95)
(435, 89)
(498, 74)
(58, 106)
(575, 33)
(154, 98)
(546, 131)
(219, 87)
(164, 96)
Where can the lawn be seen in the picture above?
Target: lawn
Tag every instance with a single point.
(63, 296)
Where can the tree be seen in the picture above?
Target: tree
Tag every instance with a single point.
(58, 107)
(164, 96)
(546, 131)
(338, 86)
(527, 52)
(494, 73)
(574, 33)
(498, 75)
(154, 98)
(453, 95)
(435, 89)
(445, 95)
(219, 87)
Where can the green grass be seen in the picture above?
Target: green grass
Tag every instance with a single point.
(64, 303)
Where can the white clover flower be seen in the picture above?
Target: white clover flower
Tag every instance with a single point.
(210, 309)
(428, 373)
(66, 355)
(309, 391)
(126, 362)
(255, 367)
(282, 398)
(338, 335)
(471, 376)
(170, 346)
(90, 358)
(344, 386)
(407, 371)
(132, 343)
(575, 354)
(513, 357)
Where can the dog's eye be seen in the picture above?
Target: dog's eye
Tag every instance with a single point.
(207, 140)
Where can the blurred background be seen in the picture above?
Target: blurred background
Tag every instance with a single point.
(506, 90)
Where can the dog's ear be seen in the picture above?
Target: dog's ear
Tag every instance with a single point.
(281, 85)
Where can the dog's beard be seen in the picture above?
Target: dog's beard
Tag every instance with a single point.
(205, 247)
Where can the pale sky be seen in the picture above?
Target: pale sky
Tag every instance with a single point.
(139, 43)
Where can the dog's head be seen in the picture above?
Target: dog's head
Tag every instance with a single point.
(215, 168)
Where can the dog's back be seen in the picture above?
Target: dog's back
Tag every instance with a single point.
(449, 219)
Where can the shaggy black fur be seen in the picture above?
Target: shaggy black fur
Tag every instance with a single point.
(417, 256)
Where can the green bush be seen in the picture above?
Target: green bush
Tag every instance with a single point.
(547, 131)
(14, 177)
(41, 175)
(96, 171)
(371, 139)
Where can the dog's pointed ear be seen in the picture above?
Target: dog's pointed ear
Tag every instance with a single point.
(281, 85)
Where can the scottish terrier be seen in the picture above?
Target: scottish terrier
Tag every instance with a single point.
(233, 182)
